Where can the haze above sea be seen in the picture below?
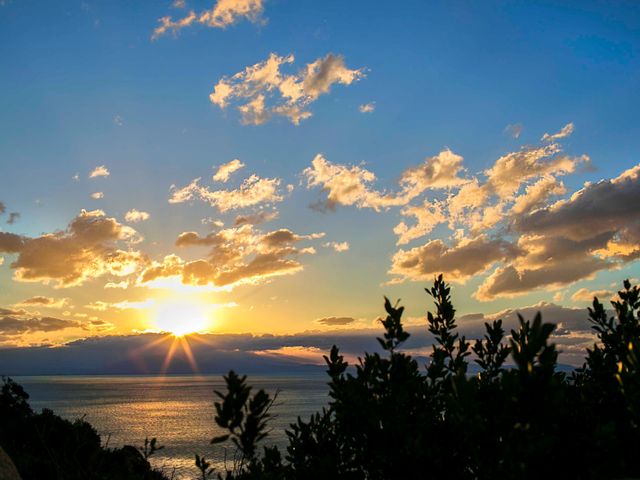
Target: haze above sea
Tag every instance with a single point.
(176, 409)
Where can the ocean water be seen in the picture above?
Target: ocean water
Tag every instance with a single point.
(177, 409)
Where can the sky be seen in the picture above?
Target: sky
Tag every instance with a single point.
(271, 167)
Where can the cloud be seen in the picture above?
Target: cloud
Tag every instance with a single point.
(510, 171)
(100, 171)
(440, 171)
(41, 301)
(255, 219)
(262, 90)
(428, 216)
(605, 206)
(237, 256)
(564, 132)
(3, 208)
(585, 295)
(135, 216)
(543, 242)
(537, 194)
(367, 107)
(225, 170)
(334, 321)
(514, 130)
(544, 262)
(13, 218)
(12, 324)
(347, 186)
(337, 246)
(124, 305)
(118, 120)
(253, 191)
(97, 195)
(352, 185)
(457, 263)
(596, 228)
(87, 249)
(221, 15)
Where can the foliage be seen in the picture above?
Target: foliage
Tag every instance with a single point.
(390, 419)
(45, 446)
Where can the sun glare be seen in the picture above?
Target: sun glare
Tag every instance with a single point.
(181, 317)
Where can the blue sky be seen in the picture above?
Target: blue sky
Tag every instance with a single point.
(83, 84)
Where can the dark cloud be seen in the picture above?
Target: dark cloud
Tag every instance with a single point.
(332, 321)
(255, 219)
(457, 263)
(44, 301)
(13, 218)
(606, 206)
(12, 325)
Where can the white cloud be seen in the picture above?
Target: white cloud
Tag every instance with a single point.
(367, 107)
(564, 132)
(253, 191)
(262, 90)
(135, 216)
(337, 246)
(100, 171)
(221, 15)
(97, 195)
(225, 170)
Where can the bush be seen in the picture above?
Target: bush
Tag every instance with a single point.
(391, 419)
(45, 446)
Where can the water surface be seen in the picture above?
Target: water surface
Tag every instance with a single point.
(177, 409)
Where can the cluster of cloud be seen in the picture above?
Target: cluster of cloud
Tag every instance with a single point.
(42, 301)
(87, 249)
(352, 185)
(13, 216)
(14, 322)
(238, 255)
(253, 191)
(261, 91)
(221, 15)
(506, 221)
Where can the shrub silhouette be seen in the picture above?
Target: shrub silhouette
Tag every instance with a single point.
(45, 446)
(390, 418)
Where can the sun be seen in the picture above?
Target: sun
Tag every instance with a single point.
(182, 317)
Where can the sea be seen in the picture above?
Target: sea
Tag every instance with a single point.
(176, 409)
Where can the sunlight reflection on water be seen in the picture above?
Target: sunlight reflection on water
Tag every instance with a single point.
(177, 409)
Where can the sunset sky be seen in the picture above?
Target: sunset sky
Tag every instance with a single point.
(276, 167)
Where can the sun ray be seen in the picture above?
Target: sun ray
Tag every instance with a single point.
(186, 348)
(170, 353)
